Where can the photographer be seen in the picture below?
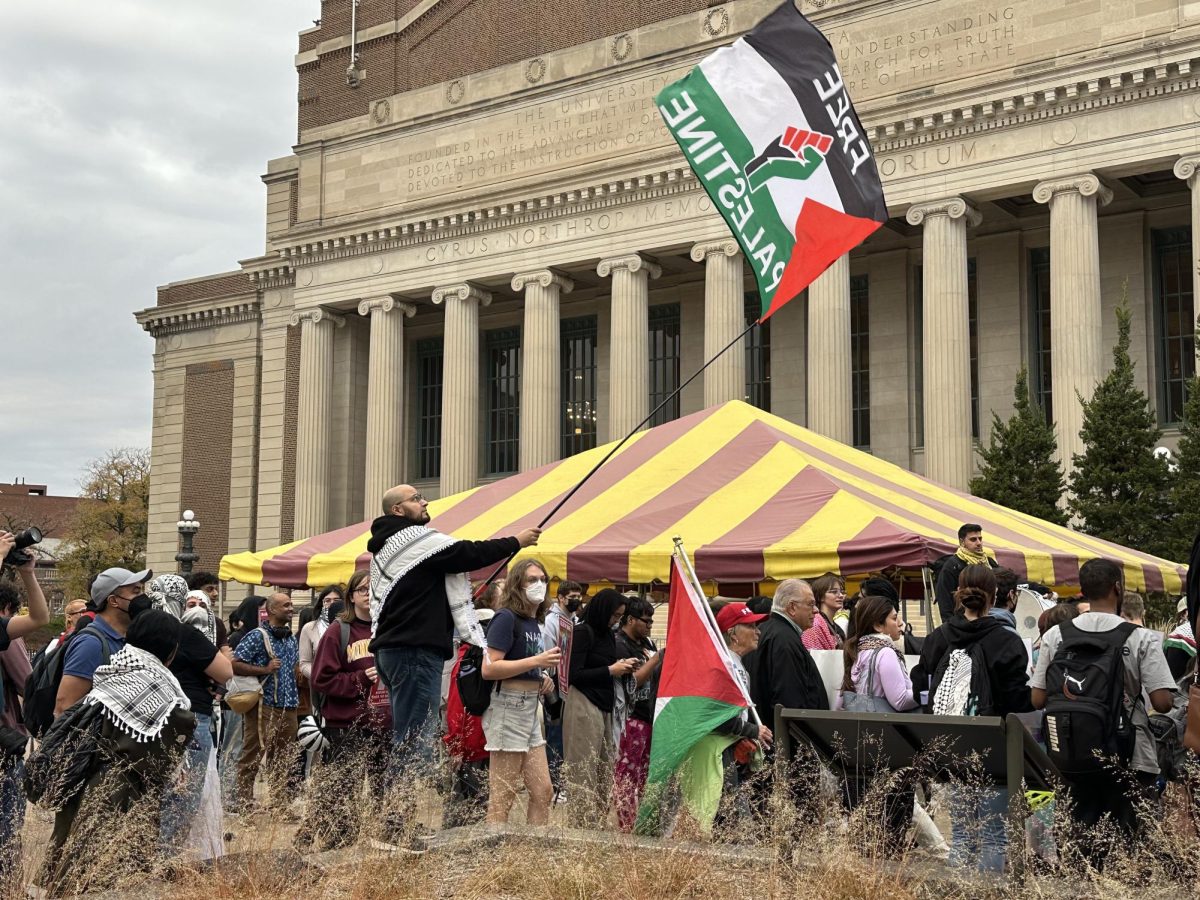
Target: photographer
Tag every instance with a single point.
(39, 612)
(14, 669)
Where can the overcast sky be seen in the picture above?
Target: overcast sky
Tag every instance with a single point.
(132, 137)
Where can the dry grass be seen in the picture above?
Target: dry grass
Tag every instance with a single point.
(801, 845)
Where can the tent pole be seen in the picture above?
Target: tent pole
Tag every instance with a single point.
(611, 453)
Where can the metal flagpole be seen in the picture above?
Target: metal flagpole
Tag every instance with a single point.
(712, 621)
(609, 455)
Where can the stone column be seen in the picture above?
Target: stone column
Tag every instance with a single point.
(949, 447)
(724, 320)
(460, 386)
(1188, 168)
(830, 394)
(541, 366)
(629, 341)
(1076, 319)
(313, 419)
(385, 398)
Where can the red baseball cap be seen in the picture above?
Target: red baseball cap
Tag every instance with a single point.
(732, 614)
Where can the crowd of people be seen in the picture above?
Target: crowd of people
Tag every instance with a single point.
(154, 699)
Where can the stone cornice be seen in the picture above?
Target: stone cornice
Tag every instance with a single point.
(591, 198)
(386, 305)
(1084, 183)
(705, 249)
(545, 278)
(1186, 167)
(630, 262)
(951, 207)
(275, 276)
(316, 316)
(1122, 84)
(160, 321)
(462, 292)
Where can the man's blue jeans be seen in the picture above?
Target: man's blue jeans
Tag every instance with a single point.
(180, 804)
(414, 681)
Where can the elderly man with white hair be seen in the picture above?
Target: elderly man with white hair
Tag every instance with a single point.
(781, 669)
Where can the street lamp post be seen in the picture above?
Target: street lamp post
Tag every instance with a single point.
(188, 526)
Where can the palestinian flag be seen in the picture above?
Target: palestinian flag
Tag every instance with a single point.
(768, 127)
(697, 690)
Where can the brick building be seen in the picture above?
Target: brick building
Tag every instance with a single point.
(484, 252)
(23, 505)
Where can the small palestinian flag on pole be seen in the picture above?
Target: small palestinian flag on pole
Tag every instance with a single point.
(697, 690)
(768, 127)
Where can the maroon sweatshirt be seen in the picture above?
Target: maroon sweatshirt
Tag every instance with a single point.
(342, 678)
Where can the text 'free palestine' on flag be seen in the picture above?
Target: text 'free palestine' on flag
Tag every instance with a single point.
(768, 127)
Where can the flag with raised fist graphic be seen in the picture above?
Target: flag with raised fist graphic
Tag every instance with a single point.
(768, 127)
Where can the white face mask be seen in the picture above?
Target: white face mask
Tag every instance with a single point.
(536, 593)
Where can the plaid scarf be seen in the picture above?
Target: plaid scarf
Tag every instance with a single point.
(137, 692)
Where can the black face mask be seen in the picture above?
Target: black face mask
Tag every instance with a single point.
(573, 605)
(281, 632)
(139, 605)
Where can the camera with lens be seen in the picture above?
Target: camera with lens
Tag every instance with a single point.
(27, 538)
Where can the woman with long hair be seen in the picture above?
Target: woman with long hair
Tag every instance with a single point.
(589, 748)
(358, 721)
(512, 724)
(876, 678)
(975, 665)
(825, 633)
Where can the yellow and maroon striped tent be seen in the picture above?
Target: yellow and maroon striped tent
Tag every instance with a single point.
(754, 497)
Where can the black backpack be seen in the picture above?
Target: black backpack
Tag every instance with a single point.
(1088, 722)
(41, 687)
(473, 689)
(318, 698)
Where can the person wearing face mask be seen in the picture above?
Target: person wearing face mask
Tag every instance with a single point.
(568, 598)
(590, 750)
(116, 594)
(196, 665)
(512, 724)
(633, 756)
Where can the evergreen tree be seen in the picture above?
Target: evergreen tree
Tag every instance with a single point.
(1119, 488)
(1019, 469)
(1185, 481)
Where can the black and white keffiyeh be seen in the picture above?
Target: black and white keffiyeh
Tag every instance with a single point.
(168, 593)
(138, 693)
(201, 616)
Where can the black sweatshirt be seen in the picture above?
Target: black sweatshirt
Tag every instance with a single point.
(1007, 660)
(416, 613)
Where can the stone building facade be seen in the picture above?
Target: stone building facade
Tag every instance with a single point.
(486, 253)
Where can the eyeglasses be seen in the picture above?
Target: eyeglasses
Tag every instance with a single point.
(361, 589)
(415, 498)
(649, 621)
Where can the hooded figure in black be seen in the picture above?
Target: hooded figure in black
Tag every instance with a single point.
(1005, 658)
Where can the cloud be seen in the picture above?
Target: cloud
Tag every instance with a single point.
(131, 146)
